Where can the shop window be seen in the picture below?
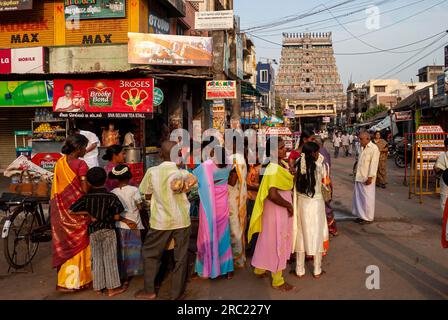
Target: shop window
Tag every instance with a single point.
(380, 89)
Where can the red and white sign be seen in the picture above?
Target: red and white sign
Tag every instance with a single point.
(278, 131)
(103, 96)
(403, 115)
(430, 129)
(22, 60)
(28, 60)
(5, 61)
(326, 120)
(46, 161)
(220, 90)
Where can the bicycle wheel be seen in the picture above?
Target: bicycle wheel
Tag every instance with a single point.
(18, 248)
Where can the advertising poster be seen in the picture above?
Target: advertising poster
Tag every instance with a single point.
(219, 115)
(160, 49)
(220, 90)
(98, 9)
(26, 93)
(13, 5)
(116, 98)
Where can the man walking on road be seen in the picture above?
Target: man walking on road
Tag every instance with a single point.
(364, 194)
(440, 166)
(337, 143)
(346, 144)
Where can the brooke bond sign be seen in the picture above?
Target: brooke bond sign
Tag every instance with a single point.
(220, 90)
(131, 96)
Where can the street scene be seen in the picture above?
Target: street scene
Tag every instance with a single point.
(223, 150)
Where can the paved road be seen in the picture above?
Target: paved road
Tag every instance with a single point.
(404, 243)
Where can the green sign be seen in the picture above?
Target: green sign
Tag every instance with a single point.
(158, 97)
(26, 93)
(94, 9)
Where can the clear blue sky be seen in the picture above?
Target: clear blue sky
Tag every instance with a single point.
(359, 67)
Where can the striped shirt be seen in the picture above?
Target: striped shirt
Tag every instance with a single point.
(101, 205)
(169, 210)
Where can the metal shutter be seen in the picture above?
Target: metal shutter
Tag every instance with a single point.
(12, 119)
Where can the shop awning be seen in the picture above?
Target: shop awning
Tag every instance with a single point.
(248, 89)
(385, 124)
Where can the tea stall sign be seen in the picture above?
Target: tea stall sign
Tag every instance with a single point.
(127, 98)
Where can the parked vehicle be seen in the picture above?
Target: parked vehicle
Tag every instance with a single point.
(400, 157)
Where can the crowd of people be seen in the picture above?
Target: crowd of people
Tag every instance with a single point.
(108, 229)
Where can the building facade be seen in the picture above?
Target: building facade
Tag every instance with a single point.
(266, 84)
(308, 78)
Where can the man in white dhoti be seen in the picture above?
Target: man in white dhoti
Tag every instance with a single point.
(364, 194)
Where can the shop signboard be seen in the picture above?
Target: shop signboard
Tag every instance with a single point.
(326, 120)
(278, 131)
(112, 98)
(403, 115)
(158, 25)
(160, 49)
(214, 20)
(441, 85)
(158, 96)
(239, 57)
(23, 60)
(219, 115)
(220, 90)
(98, 9)
(14, 5)
(26, 93)
(5, 61)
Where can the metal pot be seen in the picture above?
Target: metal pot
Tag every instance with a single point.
(133, 155)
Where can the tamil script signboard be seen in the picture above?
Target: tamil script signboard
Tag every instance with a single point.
(214, 20)
(94, 9)
(26, 93)
(160, 49)
(13, 5)
(220, 90)
(131, 98)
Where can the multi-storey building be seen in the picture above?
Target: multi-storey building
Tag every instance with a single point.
(265, 84)
(308, 78)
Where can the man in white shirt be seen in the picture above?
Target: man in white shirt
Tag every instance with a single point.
(337, 143)
(440, 166)
(346, 144)
(364, 195)
(91, 156)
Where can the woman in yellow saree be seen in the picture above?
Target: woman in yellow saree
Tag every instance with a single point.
(71, 249)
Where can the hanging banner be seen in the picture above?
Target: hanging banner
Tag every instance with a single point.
(220, 90)
(160, 49)
(14, 5)
(239, 57)
(94, 9)
(26, 93)
(127, 98)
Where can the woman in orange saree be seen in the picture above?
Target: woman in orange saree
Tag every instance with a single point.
(71, 249)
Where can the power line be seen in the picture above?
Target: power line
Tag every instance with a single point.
(373, 52)
(348, 14)
(411, 57)
(413, 63)
(395, 23)
(292, 18)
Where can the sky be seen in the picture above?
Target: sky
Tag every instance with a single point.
(390, 24)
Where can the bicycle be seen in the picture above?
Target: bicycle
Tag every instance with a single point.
(24, 228)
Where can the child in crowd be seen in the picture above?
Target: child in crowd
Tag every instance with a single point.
(104, 208)
(130, 260)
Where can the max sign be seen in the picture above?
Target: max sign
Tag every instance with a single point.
(23, 60)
